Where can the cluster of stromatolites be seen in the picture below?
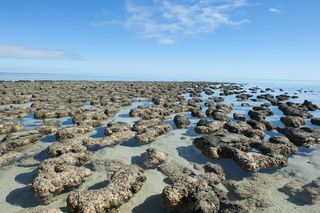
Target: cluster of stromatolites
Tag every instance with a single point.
(199, 107)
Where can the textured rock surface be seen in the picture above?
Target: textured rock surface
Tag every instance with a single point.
(292, 109)
(239, 117)
(191, 195)
(123, 185)
(308, 193)
(8, 158)
(222, 144)
(151, 133)
(315, 121)
(108, 166)
(58, 174)
(181, 121)
(115, 127)
(196, 193)
(251, 191)
(44, 210)
(279, 139)
(141, 125)
(86, 106)
(293, 121)
(207, 127)
(73, 146)
(116, 132)
(9, 125)
(304, 136)
(18, 140)
(283, 148)
(72, 132)
(244, 129)
(196, 112)
(152, 158)
(174, 170)
(47, 130)
(254, 162)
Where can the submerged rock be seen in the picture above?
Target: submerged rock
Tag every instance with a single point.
(214, 168)
(44, 210)
(251, 191)
(108, 167)
(308, 193)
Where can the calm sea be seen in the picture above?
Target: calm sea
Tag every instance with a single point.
(285, 84)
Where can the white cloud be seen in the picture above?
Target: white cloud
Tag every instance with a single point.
(21, 51)
(166, 20)
(166, 41)
(275, 10)
(106, 23)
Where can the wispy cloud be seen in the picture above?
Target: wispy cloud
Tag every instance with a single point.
(106, 23)
(167, 21)
(22, 51)
(275, 10)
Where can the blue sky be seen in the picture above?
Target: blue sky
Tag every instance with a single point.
(163, 39)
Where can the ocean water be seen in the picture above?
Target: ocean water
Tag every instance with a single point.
(16, 193)
(287, 84)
